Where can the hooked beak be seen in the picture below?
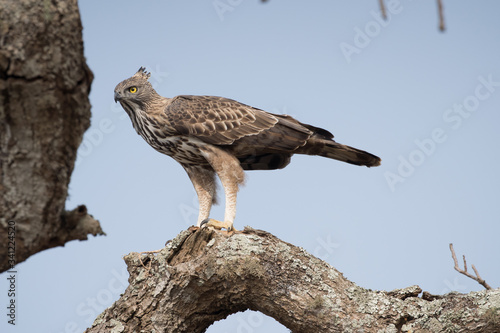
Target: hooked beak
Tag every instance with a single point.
(118, 96)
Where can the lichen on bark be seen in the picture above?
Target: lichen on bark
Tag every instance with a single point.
(202, 276)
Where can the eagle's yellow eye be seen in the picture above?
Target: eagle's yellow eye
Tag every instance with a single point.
(133, 90)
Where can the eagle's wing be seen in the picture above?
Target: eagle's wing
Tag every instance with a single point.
(260, 140)
(216, 120)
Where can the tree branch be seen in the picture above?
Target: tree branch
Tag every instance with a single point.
(203, 276)
(441, 15)
(382, 9)
(464, 271)
(44, 111)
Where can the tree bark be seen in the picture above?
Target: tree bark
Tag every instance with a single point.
(203, 276)
(44, 111)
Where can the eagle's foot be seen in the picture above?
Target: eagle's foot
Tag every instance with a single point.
(219, 225)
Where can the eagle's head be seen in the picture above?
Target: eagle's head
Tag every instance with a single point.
(135, 91)
(137, 97)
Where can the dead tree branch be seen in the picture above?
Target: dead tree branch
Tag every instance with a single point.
(464, 271)
(203, 276)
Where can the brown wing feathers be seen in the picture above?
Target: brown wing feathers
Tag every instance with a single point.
(216, 120)
(260, 140)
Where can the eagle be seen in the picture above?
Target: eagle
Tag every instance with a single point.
(211, 136)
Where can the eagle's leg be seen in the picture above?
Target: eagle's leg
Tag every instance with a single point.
(203, 179)
(231, 175)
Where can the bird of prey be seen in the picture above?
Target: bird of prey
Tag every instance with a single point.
(211, 136)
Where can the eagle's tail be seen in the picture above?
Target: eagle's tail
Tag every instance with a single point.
(348, 154)
(340, 152)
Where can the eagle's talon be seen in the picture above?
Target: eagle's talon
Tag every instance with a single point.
(219, 225)
(204, 223)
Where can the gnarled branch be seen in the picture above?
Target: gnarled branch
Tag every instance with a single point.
(203, 276)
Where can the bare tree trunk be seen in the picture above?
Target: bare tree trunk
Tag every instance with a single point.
(202, 276)
(44, 111)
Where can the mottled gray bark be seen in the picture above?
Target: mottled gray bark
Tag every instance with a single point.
(202, 276)
(44, 111)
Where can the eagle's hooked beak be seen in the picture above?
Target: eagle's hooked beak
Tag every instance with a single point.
(118, 96)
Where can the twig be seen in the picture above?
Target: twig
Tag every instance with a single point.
(147, 252)
(464, 271)
(441, 16)
(382, 9)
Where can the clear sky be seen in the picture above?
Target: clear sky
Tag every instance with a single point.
(426, 102)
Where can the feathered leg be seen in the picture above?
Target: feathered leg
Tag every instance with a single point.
(231, 175)
(203, 179)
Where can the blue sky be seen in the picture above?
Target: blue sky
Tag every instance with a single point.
(426, 102)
